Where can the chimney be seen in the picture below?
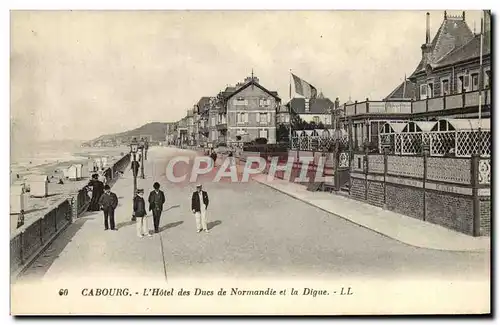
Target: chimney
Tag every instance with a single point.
(486, 25)
(445, 15)
(428, 29)
(463, 15)
(337, 102)
(426, 48)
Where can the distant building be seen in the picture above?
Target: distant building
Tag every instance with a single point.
(247, 111)
(203, 109)
(407, 90)
(190, 127)
(450, 63)
(317, 110)
(447, 83)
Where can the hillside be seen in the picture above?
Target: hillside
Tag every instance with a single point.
(155, 131)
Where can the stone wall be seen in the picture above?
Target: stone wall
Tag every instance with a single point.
(375, 193)
(485, 213)
(451, 192)
(405, 200)
(450, 210)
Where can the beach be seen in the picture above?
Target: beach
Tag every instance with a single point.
(52, 161)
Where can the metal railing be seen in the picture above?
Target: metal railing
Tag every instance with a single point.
(454, 101)
(28, 240)
(315, 143)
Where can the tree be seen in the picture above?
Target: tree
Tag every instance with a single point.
(283, 133)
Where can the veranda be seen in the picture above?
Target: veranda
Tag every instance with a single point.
(317, 139)
(452, 137)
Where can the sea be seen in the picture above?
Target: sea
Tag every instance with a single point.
(43, 153)
(33, 158)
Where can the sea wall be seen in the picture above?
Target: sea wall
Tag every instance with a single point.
(30, 240)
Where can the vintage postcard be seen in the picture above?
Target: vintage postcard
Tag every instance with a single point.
(250, 162)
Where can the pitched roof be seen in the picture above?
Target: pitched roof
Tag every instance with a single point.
(468, 51)
(203, 104)
(403, 91)
(453, 33)
(252, 82)
(316, 105)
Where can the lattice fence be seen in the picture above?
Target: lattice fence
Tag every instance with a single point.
(457, 143)
(314, 143)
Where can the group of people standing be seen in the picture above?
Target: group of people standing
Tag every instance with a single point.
(156, 201)
(107, 201)
(103, 199)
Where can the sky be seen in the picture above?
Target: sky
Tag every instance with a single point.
(81, 74)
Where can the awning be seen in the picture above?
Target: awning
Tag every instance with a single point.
(394, 127)
(469, 124)
(421, 126)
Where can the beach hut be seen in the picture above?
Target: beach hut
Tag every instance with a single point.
(17, 199)
(39, 185)
(85, 171)
(71, 173)
(79, 171)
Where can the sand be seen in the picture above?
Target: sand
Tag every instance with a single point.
(37, 207)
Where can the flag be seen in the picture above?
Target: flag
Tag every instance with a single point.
(304, 88)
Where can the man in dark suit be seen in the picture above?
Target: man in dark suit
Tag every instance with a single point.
(108, 203)
(156, 201)
(199, 205)
(135, 167)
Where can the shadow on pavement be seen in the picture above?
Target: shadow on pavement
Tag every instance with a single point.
(213, 224)
(172, 207)
(43, 263)
(125, 224)
(171, 225)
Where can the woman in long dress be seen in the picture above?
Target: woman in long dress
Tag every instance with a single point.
(97, 190)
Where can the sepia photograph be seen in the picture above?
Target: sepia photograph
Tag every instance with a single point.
(250, 162)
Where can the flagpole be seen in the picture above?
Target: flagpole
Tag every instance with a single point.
(404, 86)
(481, 69)
(290, 110)
(480, 84)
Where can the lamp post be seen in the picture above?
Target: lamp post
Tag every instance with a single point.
(134, 146)
(141, 146)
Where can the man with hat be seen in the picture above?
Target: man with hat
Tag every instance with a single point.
(199, 205)
(156, 200)
(141, 214)
(108, 203)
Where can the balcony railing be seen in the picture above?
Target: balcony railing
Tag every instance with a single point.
(455, 101)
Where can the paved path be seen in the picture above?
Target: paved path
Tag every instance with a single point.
(394, 225)
(255, 231)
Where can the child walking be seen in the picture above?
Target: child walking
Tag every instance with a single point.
(140, 214)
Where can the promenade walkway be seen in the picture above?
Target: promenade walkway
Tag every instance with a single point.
(391, 224)
(256, 231)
